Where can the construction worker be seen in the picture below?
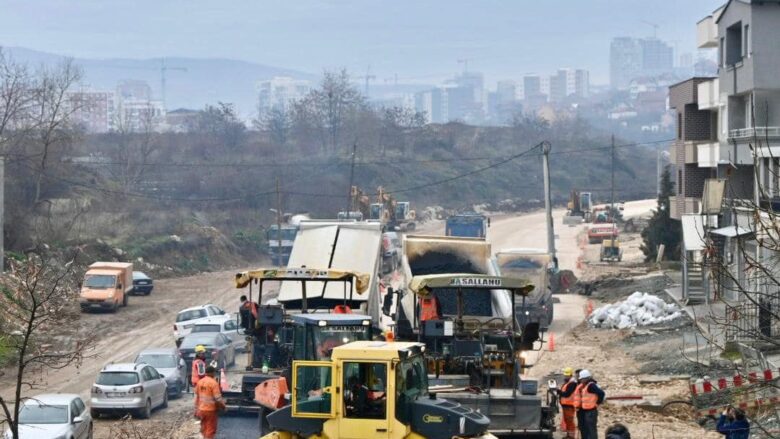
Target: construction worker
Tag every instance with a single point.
(617, 431)
(587, 398)
(733, 424)
(208, 401)
(568, 411)
(198, 365)
(430, 309)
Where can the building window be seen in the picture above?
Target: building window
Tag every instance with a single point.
(746, 37)
(679, 126)
(734, 44)
(679, 182)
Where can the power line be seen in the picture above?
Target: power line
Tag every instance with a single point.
(357, 162)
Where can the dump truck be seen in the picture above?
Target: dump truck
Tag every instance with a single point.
(578, 208)
(472, 225)
(537, 266)
(371, 389)
(277, 336)
(338, 245)
(477, 362)
(424, 255)
(106, 285)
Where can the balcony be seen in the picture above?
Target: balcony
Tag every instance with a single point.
(708, 98)
(759, 133)
(707, 33)
(679, 206)
(708, 154)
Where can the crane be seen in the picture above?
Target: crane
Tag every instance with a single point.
(465, 62)
(368, 77)
(163, 73)
(654, 26)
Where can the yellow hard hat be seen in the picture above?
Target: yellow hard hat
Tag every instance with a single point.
(568, 371)
(199, 349)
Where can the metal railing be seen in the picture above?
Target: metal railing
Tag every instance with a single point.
(754, 322)
(759, 132)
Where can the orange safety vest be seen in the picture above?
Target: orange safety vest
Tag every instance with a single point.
(568, 400)
(587, 400)
(198, 371)
(577, 396)
(428, 310)
(207, 395)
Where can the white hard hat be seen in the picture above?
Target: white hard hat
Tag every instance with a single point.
(585, 373)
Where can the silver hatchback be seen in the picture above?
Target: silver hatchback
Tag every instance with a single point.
(127, 387)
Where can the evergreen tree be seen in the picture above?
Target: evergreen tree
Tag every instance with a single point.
(662, 229)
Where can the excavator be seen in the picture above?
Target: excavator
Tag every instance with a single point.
(305, 329)
(395, 215)
(477, 358)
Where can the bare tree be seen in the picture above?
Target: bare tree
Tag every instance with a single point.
(277, 121)
(36, 305)
(15, 97)
(135, 141)
(51, 112)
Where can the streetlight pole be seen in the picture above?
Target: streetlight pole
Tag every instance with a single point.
(548, 201)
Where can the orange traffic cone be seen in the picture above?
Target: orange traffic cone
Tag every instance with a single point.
(551, 343)
(589, 309)
(223, 382)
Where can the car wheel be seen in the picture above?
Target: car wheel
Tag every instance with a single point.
(146, 412)
(165, 400)
(94, 414)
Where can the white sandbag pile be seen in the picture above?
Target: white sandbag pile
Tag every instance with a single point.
(639, 309)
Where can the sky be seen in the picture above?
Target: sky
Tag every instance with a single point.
(417, 41)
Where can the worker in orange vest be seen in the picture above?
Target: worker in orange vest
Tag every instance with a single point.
(568, 410)
(430, 309)
(587, 398)
(208, 401)
(198, 365)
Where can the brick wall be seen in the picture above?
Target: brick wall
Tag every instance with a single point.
(697, 124)
(694, 177)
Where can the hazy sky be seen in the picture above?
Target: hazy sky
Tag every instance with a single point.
(418, 40)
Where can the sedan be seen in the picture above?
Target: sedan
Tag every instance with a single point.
(227, 327)
(169, 365)
(142, 284)
(219, 348)
(51, 416)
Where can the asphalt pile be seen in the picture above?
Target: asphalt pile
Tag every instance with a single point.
(639, 309)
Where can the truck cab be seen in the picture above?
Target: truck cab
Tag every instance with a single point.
(371, 390)
(469, 225)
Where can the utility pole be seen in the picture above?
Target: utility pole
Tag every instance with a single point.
(2, 212)
(548, 202)
(658, 169)
(278, 223)
(612, 198)
(351, 179)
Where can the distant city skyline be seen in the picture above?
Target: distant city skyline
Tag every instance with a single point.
(417, 41)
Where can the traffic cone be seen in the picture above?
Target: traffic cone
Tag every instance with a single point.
(223, 382)
(589, 309)
(551, 343)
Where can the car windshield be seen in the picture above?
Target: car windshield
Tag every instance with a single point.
(158, 361)
(138, 275)
(206, 328)
(100, 281)
(117, 378)
(43, 414)
(191, 315)
(325, 338)
(204, 339)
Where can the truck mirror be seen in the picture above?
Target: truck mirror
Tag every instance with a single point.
(388, 301)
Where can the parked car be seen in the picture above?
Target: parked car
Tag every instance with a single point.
(128, 387)
(218, 347)
(228, 327)
(187, 318)
(391, 252)
(142, 284)
(170, 365)
(54, 416)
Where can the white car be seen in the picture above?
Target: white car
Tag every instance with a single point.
(54, 416)
(187, 318)
(227, 327)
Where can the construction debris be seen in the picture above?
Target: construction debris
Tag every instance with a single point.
(639, 309)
